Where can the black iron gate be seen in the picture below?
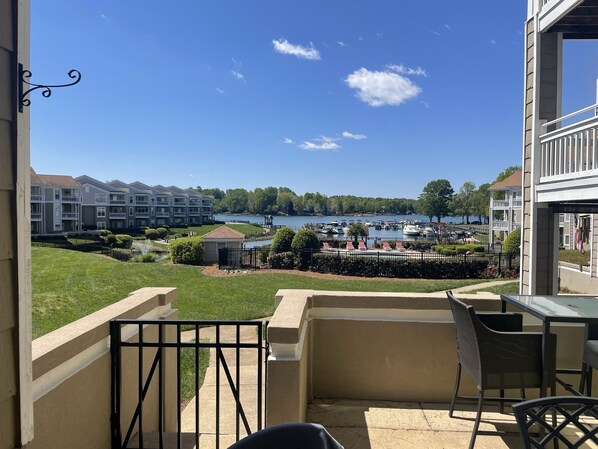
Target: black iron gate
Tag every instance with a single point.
(143, 351)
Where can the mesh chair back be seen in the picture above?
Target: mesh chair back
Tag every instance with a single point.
(592, 331)
(468, 350)
(289, 436)
(576, 423)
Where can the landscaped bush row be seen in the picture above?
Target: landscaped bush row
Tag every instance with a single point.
(373, 267)
(122, 254)
(451, 250)
(282, 261)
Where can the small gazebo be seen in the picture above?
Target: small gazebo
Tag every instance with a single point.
(222, 237)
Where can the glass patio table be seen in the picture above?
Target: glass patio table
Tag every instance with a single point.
(549, 309)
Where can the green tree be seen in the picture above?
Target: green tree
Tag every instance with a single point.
(507, 172)
(435, 199)
(282, 240)
(305, 239)
(481, 202)
(235, 201)
(285, 202)
(512, 242)
(356, 230)
(463, 201)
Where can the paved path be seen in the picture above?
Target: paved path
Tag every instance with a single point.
(482, 285)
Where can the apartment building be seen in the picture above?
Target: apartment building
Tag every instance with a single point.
(55, 204)
(505, 207)
(560, 149)
(138, 205)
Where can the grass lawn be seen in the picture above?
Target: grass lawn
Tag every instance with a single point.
(509, 288)
(68, 285)
(574, 256)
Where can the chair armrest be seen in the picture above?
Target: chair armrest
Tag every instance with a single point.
(504, 322)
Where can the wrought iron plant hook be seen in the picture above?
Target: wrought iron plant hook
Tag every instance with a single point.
(24, 75)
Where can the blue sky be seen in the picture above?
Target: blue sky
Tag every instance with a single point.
(370, 98)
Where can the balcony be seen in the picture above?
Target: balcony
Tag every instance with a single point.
(569, 158)
(36, 198)
(70, 199)
(70, 215)
(180, 212)
(376, 369)
(142, 212)
(118, 215)
(117, 200)
(500, 204)
(555, 12)
(194, 211)
(162, 213)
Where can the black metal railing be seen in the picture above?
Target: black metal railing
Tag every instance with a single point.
(259, 258)
(143, 354)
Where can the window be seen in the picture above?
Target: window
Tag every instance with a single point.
(56, 194)
(130, 212)
(101, 225)
(101, 198)
(101, 212)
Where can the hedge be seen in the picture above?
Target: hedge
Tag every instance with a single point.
(282, 240)
(123, 241)
(282, 261)
(398, 268)
(122, 254)
(152, 234)
(188, 251)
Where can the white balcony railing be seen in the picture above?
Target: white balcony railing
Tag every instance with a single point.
(118, 215)
(36, 198)
(517, 203)
(70, 215)
(570, 152)
(500, 203)
(70, 199)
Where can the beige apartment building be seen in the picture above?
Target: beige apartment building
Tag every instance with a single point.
(560, 149)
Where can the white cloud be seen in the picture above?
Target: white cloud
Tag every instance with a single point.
(237, 75)
(435, 32)
(348, 135)
(322, 143)
(342, 44)
(360, 38)
(447, 26)
(286, 48)
(220, 91)
(379, 88)
(492, 42)
(103, 16)
(287, 140)
(409, 71)
(426, 104)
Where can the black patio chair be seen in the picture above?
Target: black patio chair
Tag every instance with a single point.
(590, 359)
(289, 436)
(497, 356)
(575, 423)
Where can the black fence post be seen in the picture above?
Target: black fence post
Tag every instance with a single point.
(378, 264)
(499, 262)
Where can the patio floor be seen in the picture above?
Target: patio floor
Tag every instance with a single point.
(397, 425)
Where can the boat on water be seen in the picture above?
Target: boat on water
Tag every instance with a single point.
(411, 229)
(429, 231)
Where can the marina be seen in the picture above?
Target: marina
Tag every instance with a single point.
(379, 227)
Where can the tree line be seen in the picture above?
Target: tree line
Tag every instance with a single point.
(438, 199)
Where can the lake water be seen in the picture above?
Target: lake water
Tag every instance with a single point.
(298, 221)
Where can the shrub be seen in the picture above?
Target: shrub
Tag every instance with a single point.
(145, 258)
(398, 268)
(282, 261)
(152, 234)
(112, 241)
(282, 240)
(304, 241)
(124, 241)
(122, 254)
(512, 242)
(188, 251)
(162, 232)
(104, 232)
